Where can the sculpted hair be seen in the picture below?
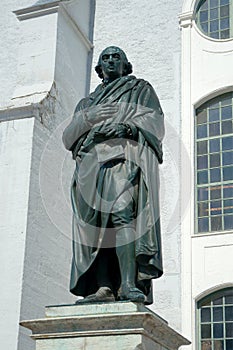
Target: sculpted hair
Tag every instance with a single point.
(128, 68)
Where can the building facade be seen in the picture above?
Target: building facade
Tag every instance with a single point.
(185, 50)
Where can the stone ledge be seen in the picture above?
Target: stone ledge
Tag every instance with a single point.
(102, 319)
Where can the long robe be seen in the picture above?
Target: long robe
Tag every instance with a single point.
(92, 193)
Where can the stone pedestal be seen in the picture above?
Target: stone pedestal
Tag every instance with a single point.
(108, 326)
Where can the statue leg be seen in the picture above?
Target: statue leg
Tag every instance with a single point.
(125, 249)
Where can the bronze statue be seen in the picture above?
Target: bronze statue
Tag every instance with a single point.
(115, 137)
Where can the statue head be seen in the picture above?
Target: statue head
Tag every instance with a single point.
(113, 64)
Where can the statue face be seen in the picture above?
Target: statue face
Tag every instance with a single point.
(112, 63)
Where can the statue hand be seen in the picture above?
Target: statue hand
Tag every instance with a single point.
(117, 131)
(101, 112)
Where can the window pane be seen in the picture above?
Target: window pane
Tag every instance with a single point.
(214, 26)
(203, 225)
(228, 206)
(218, 301)
(203, 209)
(202, 162)
(204, 27)
(202, 147)
(228, 223)
(227, 158)
(214, 13)
(202, 194)
(214, 115)
(229, 330)
(215, 175)
(229, 344)
(201, 131)
(229, 299)
(224, 11)
(227, 99)
(229, 313)
(214, 160)
(215, 192)
(224, 23)
(202, 177)
(214, 129)
(228, 191)
(225, 34)
(205, 331)
(217, 314)
(218, 330)
(216, 223)
(227, 173)
(214, 35)
(204, 16)
(227, 127)
(218, 345)
(214, 3)
(227, 143)
(224, 2)
(206, 345)
(227, 112)
(205, 314)
(216, 208)
(202, 117)
(214, 145)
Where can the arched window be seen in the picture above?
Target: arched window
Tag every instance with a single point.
(215, 321)
(214, 165)
(214, 18)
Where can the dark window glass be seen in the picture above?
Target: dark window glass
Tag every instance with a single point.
(205, 315)
(215, 192)
(214, 25)
(228, 207)
(227, 173)
(218, 330)
(204, 16)
(218, 301)
(224, 11)
(203, 209)
(201, 131)
(216, 208)
(202, 117)
(205, 331)
(229, 344)
(203, 225)
(228, 191)
(227, 127)
(229, 299)
(227, 158)
(214, 13)
(218, 345)
(214, 145)
(227, 143)
(227, 112)
(228, 223)
(204, 27)
(214, 35)
(229, 313)
(225, 34)
(214, 115)
(216, 223)
(224, 23)
(226, 99)
(224, 2)
(215, 175)
(214, 160)
(202, 177)
(217, 314)
(202, 194)
(229, 330)
(202, 162)
(214, 129)
(214, 3)
(202, 147)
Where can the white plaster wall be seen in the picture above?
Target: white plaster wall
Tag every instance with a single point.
(15, 162)
(148, 31)
(45, 71)
(206, 72)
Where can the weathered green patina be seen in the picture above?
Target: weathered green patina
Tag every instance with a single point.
(115, 136)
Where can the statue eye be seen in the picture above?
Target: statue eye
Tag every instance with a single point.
(116, 56)
(105, 58)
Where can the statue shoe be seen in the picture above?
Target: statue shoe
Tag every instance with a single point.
(132, 294)
(103, 294)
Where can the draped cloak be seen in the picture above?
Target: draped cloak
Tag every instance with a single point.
(91, 186)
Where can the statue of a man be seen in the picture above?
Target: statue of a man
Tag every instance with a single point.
(115, 137)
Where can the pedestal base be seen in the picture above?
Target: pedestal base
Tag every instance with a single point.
(108, 326)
